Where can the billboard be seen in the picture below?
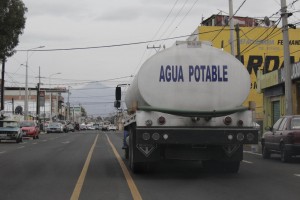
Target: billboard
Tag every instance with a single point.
(261, 49)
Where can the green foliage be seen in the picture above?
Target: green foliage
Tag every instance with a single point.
(83, 112)
(12, 23)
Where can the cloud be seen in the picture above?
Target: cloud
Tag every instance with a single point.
(120, 14)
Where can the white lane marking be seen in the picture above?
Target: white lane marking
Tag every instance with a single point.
(2, 152)
(44, 140)
(297, 175)
(65, 142)
(245, 161)
(21, 147)
(34, 143)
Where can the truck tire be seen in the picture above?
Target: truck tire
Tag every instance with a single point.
(126, 153)
(136, 167)
(232, 166)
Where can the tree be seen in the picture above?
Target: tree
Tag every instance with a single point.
(12, 23)
(83, 112)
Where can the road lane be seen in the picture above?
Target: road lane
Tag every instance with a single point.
(43, 171)
(105, 179)
(79, 184)
(50, 170)
(134, 191)
(257, 179)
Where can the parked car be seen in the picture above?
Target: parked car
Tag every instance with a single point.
(96, 126)
(83, 127)
(30, 129)
(283, 138)
(71, 127)
(55, 127)
(105, 125)
(112, 127)
(65, 126)
(90, 127)
(10, 130)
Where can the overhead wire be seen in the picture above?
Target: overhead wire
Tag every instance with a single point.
(254, 41)
(193, 5)
(156, 33)
(174, 19)
(229, 20)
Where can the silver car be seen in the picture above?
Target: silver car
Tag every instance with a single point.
(10, 130)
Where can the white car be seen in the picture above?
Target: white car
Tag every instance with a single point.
(112, 127)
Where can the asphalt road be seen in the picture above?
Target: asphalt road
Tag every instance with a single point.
(86, 165)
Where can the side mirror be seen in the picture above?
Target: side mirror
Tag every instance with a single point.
(118, 94)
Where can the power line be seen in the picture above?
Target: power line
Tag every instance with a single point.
(259, 38)
(229, 19)
(184, 17)
(174, 19)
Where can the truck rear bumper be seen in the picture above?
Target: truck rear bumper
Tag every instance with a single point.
(198, 136)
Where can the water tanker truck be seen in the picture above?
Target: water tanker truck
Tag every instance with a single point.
(186, 103)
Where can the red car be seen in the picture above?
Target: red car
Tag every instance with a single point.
(283, 138)
(30, 129)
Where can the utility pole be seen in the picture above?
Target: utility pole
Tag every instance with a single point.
(38, 97)
(238, 45)
(231, 27)
(68, 104)
(287, 61)
(2, 83)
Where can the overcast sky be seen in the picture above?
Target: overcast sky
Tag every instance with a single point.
(58, 24)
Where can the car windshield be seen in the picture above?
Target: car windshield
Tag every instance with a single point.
(9, 124)
(295, 123)
(26, 124)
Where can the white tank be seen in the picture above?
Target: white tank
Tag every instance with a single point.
(189, 77)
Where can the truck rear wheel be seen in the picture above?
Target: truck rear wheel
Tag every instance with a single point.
(136, 167)
(232, 166)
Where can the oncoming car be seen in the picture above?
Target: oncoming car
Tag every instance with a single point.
(10, 130)
(283, 138)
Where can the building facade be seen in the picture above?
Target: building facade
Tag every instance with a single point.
(51, 102)
(271, 85)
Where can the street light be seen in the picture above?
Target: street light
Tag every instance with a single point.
(51, 93)
(26, 83)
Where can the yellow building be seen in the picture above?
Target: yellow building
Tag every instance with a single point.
(261, 49)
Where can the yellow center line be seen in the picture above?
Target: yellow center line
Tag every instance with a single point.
(80, 181)
(134, 191)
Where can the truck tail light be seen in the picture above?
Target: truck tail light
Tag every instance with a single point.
(250, 137)
(161, 120)
(148, 122)
(240, 137)
(155, 136)
(240, 123)
(227, 120)
(146, 136)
